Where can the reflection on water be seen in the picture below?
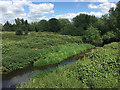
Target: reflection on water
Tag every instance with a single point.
(15, 78)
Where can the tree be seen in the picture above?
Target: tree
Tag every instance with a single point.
(43, 26)
(101, 25)
(1, 27)
(109, 37)
(36, 29)
(63, 22)
(7, 26)
(83, 20)
(117, 10)
(54, 25)
(69, 30)
(19, 31)
(22, 21)
(22, 25)
(26, 32)
(18, 22)
(32, 25)
(92, 35)
(113, 22)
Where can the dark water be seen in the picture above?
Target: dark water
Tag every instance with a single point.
(15, 78)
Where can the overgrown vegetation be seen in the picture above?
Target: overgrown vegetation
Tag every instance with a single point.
(19, 51)
(107, 27)
(41, 43)
(98, 69)
(56, 54)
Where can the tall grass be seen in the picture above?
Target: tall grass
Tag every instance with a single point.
(56, 54)
(98, 69)
(19, 51)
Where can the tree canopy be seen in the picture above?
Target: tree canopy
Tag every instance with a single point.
(54, 25)
(84, 20)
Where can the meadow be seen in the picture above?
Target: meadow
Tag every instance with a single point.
(58, 53)
(97, 69)
(20, 51)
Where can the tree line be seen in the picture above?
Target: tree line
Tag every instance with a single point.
(92, 29)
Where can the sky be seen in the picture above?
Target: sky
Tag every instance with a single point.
(36, 10)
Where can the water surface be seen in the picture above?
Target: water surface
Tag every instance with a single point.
(16, 77)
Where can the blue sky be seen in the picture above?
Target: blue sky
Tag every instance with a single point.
(35, 11)
(69, 7)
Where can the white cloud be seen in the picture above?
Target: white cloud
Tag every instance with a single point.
(97, 14)
(98, 0)
(76, 0)
(38, 10)
(104, 7)
(12, 10)
(93, 0)
(72, 15)
(15, 9)
(92, 6)
(67, 15)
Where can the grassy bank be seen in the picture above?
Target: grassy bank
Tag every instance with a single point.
(98, 69)
(19, 51)
(56, 54)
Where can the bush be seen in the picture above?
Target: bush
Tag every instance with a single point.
(54, 25)
(92, 35)
(109, 37)
(97, 69)
(26, 32)
(19, 31)
(69, 30)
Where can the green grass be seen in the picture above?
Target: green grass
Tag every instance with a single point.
(19, 51)
(10, 37)
(98, 69)
(56, 54)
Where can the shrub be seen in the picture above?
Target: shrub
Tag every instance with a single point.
(19, 31)
(109, 37)
(26, 32)
(69, 30)
(92, 35)
(98, 69)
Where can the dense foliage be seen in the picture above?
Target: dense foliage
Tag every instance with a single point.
(98, 69)
(108, 24)
(56, 54)
(19, 51)
(84, 20)
(54, 25)
(92, 36)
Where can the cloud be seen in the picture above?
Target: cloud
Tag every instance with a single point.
(98, 0)
(15, 9)
(12, 10)
(104, 7)
(97, 14)
(72, 15)
(76, 0)
(67, 15)
(93, 0)
(38, 10)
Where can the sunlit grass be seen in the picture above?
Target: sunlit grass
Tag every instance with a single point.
(56, 54)
(19, 51)
(98, 69)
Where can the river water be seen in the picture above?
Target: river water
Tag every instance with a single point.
(16, 77)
